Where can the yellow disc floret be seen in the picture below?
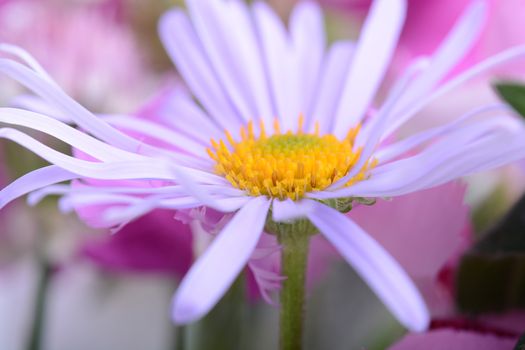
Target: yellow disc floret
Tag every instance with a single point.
(286, 165)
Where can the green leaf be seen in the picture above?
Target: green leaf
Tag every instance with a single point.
(513, 93)
(491, 276)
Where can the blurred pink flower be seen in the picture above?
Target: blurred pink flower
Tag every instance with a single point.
(454, 340)
(91, 54)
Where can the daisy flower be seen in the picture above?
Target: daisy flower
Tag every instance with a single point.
(287, 135)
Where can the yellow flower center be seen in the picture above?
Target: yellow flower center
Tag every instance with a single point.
(286, 165)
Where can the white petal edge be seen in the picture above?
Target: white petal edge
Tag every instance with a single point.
(309, 43)
(503, 57)
(214, 272)
(374, 51)
(278, 57)
(59, 99)
(87, 144)
(185, 49)
(288, 210)
(234, 54)
(375, 265)
(32, 181)
(336, 64)
(455, 46)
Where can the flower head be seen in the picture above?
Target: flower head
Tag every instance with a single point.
(325, 152)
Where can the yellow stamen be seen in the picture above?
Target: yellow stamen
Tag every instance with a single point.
(287, 165)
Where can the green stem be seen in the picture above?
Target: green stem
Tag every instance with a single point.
(180, 338)
(294, 260)
(35, 337)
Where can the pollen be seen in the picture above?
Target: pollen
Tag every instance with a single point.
(286, 165)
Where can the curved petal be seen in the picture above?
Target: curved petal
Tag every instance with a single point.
(27, 59)
(214, 272)
(374, 50)
(135, 169)
(475, 147)
(369, 138)
(33, 181)
(397, 149)
(383, 274)
(517, 52)
(65, 133)
(159, 132)
(54, 95)
(456, 45)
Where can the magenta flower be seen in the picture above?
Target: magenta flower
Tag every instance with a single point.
(154, 243)
(322, 153)
(454, 340)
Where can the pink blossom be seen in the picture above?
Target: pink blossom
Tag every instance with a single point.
(91, 54)
(454, 340)
(155, 243)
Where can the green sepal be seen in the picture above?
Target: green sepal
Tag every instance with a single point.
(512, 93)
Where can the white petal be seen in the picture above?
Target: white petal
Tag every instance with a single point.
(372, 57)
(33, 181)
(185, 49)
(375, 265)
(214, 272)
(335, 68)
(85, 143)
(473, 147)
(27, 59)
(227, 33)
(456, 45)
(517, 52)
(180, 111)
(371, 134)
(289, 210)
(308, 40)
(57, 98)
(180, 142)
(279, 60)
(397, 149)
(135, 169)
